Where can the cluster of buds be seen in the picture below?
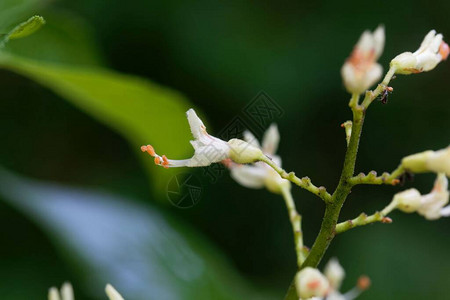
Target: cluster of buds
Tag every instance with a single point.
(66, 293)
(431, 205)
(361, 70)
(431, 52)
(208, 149)
(312, 284)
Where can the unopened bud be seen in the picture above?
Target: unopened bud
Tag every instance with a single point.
(242, 152)
(311, 283)
(408, 201)
(429, 161)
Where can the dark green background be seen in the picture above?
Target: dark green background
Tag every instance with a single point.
(220, 55)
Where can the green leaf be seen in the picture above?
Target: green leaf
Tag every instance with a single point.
(143, 112)
(144, 253)
(26, 28)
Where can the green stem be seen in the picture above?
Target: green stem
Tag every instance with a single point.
(296, 220)
(333, 208)
(372, 95)
(304, 182)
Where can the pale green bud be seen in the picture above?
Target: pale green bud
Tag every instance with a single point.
(242, 152)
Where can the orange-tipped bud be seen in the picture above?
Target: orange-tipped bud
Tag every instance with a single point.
(444, 50)
(157, 160)
(363, 283)
(386, 220)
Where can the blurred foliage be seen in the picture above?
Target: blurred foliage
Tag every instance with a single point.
(220, 55)
(140, 250)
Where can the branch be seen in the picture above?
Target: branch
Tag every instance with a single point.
(304, 183)
(362, 220)
(372, 178)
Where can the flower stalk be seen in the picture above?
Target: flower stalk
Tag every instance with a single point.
(296, 220)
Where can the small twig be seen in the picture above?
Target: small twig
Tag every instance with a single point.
(304, 183)
(296, 221)
(372, 178)
(362, 220)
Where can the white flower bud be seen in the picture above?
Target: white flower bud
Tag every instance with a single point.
(242, 152)
(439, 162)
(431, 52)
(361, 70)
(408, 201)
(334, 273)
(311, 283)
(429, 161)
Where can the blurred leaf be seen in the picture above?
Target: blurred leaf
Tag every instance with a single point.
(26, 28)
(66, 38)
(140, 110)
(142, 252)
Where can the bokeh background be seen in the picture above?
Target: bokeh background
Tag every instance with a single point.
(81, 203)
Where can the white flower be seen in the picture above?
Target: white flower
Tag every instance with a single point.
(208, 149)
(431, 52)
(429, 161)
(311, 283)
(334, 273)
(67, 293)
(408, 201)
(361, 69)
(432, 204)
(260, 174)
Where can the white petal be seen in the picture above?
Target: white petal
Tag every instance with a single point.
(372, 76)
(426, 41)
(197, 127)
(67, 292)
(249, 176)
(209, 154)
(435, 43)
(271, 140)
(445, 212)
(334, 273)
(365, 42)
(251, 139)
(378, 37)
(112, 293)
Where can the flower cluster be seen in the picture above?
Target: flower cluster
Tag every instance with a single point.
(312, 284)
(66, 293)
(256, 165)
